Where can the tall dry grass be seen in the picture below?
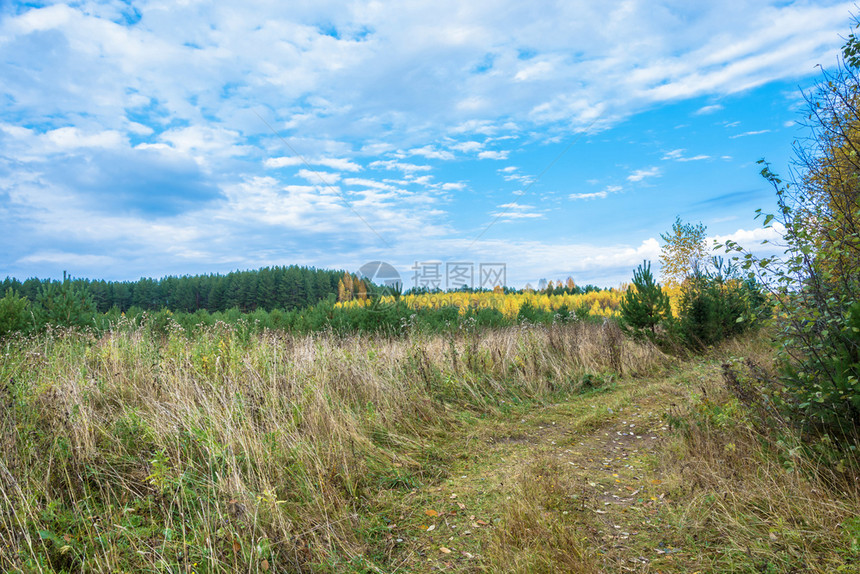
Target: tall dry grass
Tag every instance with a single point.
(755, 491)
(227, 452)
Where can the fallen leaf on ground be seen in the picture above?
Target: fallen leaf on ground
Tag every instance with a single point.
(444, 550)
(431, 513)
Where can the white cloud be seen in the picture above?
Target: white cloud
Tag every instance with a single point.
(319, 177)
(534, 71)
(333, 163)
(678, 155)
(71, 138)
(388, 70)
(392, 165)
(595, 195)
(751, 133)
(203, 140)
(468, 147)
(140, 129)
(514, 210)
(641, 174)
(751, 238)
(705, 110)
(607, 265)
(69, 259)
(609, 189)
(277, 162)
(493, 154)
(431, 152)
(368, 183)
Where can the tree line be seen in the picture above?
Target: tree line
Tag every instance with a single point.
(269, 288)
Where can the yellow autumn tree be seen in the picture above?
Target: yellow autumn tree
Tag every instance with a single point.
(683, 252)
(831, 181)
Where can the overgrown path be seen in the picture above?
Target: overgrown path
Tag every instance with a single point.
(566, 486)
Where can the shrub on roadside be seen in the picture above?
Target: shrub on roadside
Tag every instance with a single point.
(713, 308)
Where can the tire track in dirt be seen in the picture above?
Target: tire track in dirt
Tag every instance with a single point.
(605, 449)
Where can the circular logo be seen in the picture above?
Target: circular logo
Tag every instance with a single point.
(384, 276)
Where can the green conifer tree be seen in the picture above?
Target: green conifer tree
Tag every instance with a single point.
(645, 305)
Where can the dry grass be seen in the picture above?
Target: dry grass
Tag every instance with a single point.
(224, 453)
(756, 496)
(538, 532)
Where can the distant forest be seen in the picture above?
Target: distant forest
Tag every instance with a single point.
(269, 288)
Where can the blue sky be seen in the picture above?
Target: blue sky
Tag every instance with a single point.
(560, 138)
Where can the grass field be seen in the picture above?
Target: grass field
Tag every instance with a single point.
(565, 448)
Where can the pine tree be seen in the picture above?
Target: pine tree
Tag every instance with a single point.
(65, 305)
(14, 312)
(645, 305)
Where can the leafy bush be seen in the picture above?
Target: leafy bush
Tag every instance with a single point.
(713, 307)
(815, 283)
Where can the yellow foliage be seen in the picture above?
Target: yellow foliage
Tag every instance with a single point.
(600, 303)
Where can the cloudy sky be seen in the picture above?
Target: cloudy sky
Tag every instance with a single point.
(174, 137)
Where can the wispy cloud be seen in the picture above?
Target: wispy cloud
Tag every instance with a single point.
(330, 162)
(491, 154)
(678, 155)
(751, 133)
(609, 189)
(641, 174)
(431, 152)
(317, 177)
(595, 195)
(514, 210)
(705, 110)
(468, 146)
(393, 165)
